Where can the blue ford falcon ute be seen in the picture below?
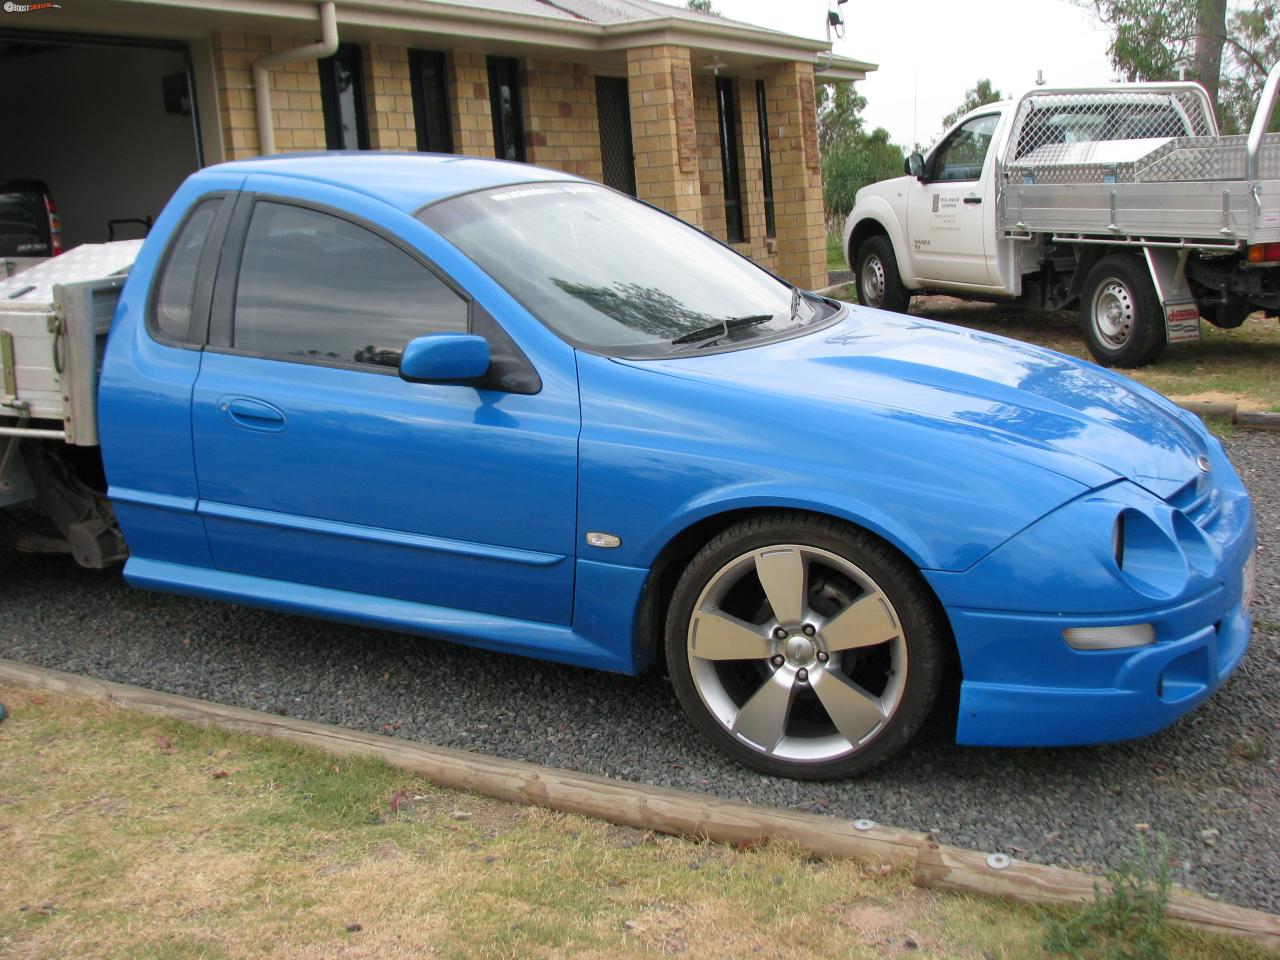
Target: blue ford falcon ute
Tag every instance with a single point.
(497, 404)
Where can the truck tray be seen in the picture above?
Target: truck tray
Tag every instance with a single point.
(54, 319)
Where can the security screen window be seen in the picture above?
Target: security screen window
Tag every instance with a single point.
(766, 164)
(431, 100)
(616, 276)
(315, 287)
(729, 159)
(504, 101)
(342, 96)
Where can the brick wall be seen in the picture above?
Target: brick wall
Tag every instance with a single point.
(561, 125)
(295, 95)
(389, 97)
(469, 112)
(674, 125)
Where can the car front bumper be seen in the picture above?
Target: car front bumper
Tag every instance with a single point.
(1130, 693)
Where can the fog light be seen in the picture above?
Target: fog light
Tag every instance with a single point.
(1110, 638)
(1250, 580)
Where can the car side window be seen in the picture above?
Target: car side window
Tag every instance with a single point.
(176, 290)
(962, 156)
(315, 287)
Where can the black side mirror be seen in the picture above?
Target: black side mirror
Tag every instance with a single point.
(914, 166)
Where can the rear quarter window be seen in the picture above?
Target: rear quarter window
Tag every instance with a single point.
(175, 291)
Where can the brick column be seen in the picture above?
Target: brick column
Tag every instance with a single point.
(797, 173)
(297, 112)
(470, 114)
(561, 125)
(663, 130)
(389, 97)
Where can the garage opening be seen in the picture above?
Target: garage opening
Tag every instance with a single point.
(108, 124)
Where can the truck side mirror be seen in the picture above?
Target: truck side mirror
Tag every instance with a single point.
(445, 358)
(914, 166)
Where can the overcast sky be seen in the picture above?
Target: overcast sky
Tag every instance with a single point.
(931, 51)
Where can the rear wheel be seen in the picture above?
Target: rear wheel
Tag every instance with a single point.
(1121, 318)
(803, 647)
(875, 273)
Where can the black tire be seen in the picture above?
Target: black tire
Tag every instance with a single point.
(1227, 316)
(875, 258)
(1121, 317)
(900, 676)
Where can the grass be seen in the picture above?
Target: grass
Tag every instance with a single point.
(835, 255)
(1227, 365)
(131, 837)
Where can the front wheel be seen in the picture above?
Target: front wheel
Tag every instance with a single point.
(876, 278)
(1121, 317)
(804, 647)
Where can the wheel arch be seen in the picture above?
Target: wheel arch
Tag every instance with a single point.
(674, 555)
(878, 219)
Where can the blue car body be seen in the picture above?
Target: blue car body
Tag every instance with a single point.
(995, 467)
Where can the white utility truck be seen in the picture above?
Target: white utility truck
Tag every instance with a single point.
(1124, 199)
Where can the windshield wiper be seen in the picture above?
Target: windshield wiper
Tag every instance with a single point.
(705, 336)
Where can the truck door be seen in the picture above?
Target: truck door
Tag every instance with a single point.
(951, 212)
(319, 465)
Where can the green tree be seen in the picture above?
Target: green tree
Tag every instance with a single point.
(980, 93)
(851, 164)
(1228, 54)
(851, 157)
(703, 6)
(840, 109)
(1152, 39)
(1253, 47)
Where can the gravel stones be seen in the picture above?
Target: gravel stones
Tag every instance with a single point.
(1214, 770)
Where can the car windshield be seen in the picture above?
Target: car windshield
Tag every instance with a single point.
(616, 276)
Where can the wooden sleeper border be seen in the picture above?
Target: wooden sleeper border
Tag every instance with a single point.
(661, 809)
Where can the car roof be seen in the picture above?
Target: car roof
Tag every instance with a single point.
(406, 181)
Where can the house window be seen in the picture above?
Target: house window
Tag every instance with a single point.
(431, 100)
(342, 96)
(504, 101)
(766, 166)
(729, 160)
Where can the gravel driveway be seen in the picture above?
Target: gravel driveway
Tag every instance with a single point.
(1210, 783)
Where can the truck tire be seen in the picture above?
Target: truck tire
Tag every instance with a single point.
(1121, 317)
(875, 274)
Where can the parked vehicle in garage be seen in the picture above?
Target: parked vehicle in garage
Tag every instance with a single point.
(504, 406)
(1122, 199)
(30, 228)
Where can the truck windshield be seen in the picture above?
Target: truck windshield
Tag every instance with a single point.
(615, 276)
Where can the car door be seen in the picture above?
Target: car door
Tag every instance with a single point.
(951, 210)
(318, 465)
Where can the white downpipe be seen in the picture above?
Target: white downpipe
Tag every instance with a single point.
(327, 47)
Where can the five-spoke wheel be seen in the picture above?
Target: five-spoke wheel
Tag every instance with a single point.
(803, 647)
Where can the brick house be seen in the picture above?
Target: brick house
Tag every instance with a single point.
(710, 118)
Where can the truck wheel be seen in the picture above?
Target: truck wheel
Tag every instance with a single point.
(803, 647)
(875, 273)
(1227, 316)
(1120, 313)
